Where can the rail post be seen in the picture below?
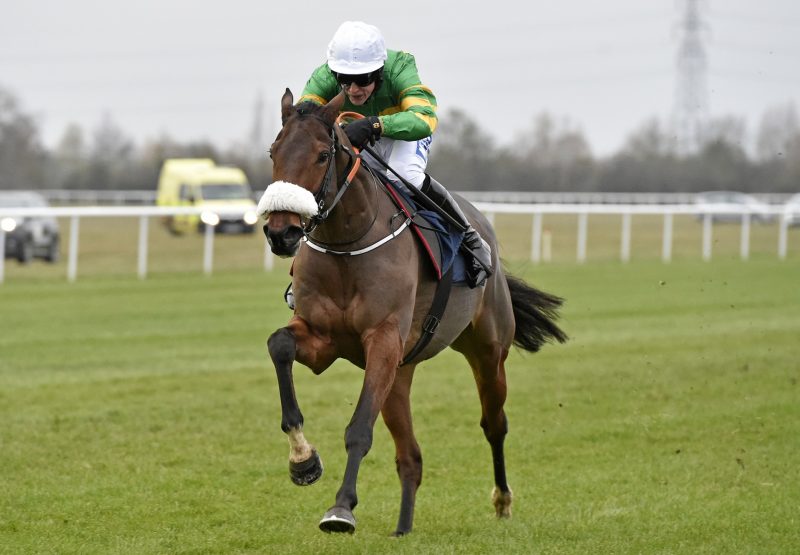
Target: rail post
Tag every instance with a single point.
(536, 238)
(706, 237)
(744, 243)
(783, 231)
(269, 258)
(666, 243)
(142, 267)
(583, 218)
(208, 250)
(72, 257)
(2, 255)
(625, 241)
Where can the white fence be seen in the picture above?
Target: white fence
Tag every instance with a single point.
(626, 211)
(83, 197)
(537, 211)
(144, 213)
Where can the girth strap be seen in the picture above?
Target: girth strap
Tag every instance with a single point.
(434, 317)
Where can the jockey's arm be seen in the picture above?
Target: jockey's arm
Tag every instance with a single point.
(414, 115)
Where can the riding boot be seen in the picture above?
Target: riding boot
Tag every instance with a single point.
(480, 254)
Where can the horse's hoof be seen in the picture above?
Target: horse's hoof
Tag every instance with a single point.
(502, 502)
(338, 519)
(400, 533)
(305, 473)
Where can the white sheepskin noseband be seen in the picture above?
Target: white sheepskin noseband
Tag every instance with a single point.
(281, 196)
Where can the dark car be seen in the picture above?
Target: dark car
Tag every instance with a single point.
(28, 237)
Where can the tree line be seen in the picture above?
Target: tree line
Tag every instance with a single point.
(551, 155)
(554, 155)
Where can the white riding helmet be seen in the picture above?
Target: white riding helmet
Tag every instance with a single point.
(356, 48)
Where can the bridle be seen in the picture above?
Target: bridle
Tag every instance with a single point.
(351, 169)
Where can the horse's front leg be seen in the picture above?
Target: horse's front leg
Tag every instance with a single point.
(383, 351)
(305, 466)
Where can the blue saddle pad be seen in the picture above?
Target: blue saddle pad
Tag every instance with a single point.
(448, 238)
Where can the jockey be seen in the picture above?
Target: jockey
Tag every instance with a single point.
(400, 118)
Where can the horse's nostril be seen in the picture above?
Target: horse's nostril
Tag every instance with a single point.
(285, 241)
(293, 235)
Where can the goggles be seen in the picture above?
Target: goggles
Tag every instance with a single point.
(362, 80)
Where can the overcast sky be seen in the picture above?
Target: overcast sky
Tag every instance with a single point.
(193, 69)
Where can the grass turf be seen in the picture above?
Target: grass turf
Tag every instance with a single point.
(143, 417)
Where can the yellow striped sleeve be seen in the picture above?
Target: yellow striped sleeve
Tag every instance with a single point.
(410, 101)
(431, 121)
(312, 98)
(422, 88)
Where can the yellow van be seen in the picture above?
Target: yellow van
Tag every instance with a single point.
(201, 183)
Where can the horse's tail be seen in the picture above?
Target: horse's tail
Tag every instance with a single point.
(535, 313)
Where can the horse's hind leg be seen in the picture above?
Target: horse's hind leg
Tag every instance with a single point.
(408, 457)
(488, 368)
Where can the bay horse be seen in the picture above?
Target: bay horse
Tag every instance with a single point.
(369, 308)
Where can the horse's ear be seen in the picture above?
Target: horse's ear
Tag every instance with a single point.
(331, 110)
(287, 105)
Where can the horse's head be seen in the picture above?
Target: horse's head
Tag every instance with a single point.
(303, 163)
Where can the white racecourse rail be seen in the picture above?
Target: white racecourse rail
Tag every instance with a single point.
(146, 213)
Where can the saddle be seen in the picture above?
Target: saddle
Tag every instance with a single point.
(439, 241)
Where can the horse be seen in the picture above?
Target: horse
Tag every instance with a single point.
(363, 297)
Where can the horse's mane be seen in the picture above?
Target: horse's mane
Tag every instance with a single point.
(311, 109)
(308, 108)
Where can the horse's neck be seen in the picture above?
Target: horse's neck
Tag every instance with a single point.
(353, 217)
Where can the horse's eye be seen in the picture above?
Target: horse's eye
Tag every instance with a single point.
(323, 156)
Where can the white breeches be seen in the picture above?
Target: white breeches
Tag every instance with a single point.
(408, 158)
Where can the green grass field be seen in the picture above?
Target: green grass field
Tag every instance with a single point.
(143, 416)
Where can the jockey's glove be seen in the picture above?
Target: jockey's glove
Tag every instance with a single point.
(363, 131)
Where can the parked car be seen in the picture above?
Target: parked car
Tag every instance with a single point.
(792, 210)
(735, 201)
(29, 237)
